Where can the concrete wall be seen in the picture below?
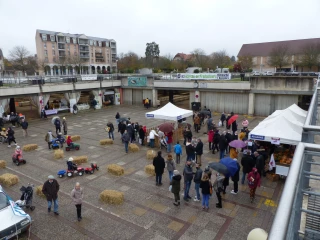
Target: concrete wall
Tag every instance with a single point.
(127, 96)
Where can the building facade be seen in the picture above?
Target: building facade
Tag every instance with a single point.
(61, 53)
(260, 53)
(1, 62)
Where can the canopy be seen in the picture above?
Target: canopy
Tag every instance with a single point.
(169, 112)
(285, 125)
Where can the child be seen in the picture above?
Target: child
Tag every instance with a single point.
(60, 139)
(178, 151)
(69, 141)
(70, 164)
(18, 153)
(175, 187)
(170, 166)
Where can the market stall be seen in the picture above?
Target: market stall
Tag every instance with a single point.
(283, 129)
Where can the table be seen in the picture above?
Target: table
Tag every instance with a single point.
(51, 111)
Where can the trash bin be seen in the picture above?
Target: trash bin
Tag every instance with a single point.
(1, 83)
(195, 106)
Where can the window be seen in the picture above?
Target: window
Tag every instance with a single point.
(44, 37)
(100, 44)
(94, 43)
(69, 53)
(53, 46)
(68, 39)
(91, 42)
(45, 52)
(46, 59)
(91, 54)
(53, 59)
(53, 52)
(45, 46)
(74, 40)
(52, 38)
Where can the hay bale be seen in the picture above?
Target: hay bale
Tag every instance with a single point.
(112, 197)
(39, 191)
(3, 164)
(58, 154)
(133, 147)
(29, 147)
(75, 138)
(9, 179)
(151, 154)
(150, 170)
(106, 141)
(115, 169)
(80, 159)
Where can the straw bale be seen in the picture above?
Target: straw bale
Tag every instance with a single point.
(58, 154)
(106, 141)
(75, 138)
(39, 191)
(151, 154)
(115, 169)
(9, 179)
(133, 147)
(29, 147)
(3, 163)
(150, 169)
(112, 197)
(80, 159)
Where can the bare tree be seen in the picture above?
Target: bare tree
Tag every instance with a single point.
(220, 59)
(19, 58)
(279, 56)
(200, 58)
(246, 62)
(128, 62)
(309, 55)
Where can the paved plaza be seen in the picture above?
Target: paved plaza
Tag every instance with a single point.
(147, 212)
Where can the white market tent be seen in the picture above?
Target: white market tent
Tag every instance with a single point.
(169, 112)
(283, 124)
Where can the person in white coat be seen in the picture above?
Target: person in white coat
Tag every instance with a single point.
(152, 136)
(77, 196)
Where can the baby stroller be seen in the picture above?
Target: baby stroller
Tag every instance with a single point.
(163, 142)
(26, 197)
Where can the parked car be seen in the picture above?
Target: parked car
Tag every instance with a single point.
(267, 73)
(313, 74)
(255, 73)
(11, 224)
(292, 73)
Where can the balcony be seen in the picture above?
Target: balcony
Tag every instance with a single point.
(84, 55)
(61, 39)
(83, 42)
(61, 46)
(84, 48)
(99, 55)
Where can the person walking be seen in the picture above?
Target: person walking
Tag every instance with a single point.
(169, 136)
(218, 188)
(205, 186)
(235, 178)
(196, 122)
(197, 181)
(216, 140)
(178, 151)
(57, 124)
(10, 135)
(223, 118)
(50, 189)
(176, 186)
(125, 139)
(121, 128)
(187, 135)
(234, 125)
(247, 163)
(188, 176)
(48, 138)
(141, 135)
(171, 166)
(190, 151)
(65, 126)
(110, 127)
(245, 123)
(77, 196)
(210, 138)
(159, 165)
(117, 118)
(152, 136)
(253, 182)
(260, 162)
(223, 144)
(130, 131)
(24, 124)
(199, 151)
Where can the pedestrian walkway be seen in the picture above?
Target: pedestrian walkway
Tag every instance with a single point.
(147, 211)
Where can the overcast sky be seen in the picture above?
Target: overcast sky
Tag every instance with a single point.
(176, 25)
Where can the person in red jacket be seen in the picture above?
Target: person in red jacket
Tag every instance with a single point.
(210, 138)
(69, 141)
(254, 182)
(169, 135)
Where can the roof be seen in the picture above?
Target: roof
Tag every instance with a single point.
(169, 112)
(183, 56)
(72, 35)
(264, 49)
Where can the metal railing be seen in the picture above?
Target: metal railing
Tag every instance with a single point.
(297, 217)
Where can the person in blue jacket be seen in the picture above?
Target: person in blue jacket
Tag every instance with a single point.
(178, 152)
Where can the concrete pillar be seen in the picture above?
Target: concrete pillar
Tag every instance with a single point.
(154, 97)
(171, 96)
(89, 70)
(197, 96)
(51, 70)
(73, 71)
(59, 73)
(251, 104)
(67, 71)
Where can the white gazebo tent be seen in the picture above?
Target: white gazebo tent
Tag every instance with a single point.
(169, 112)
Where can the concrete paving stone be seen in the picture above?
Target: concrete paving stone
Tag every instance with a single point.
(185, 237)
(124, 188)
(141, 173)
(175, 226)
(139, 211)
(207, 235)
(193, 231)
(33, 135)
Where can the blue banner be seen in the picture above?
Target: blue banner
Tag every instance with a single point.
(256, 137)
(150, 116)
(137, 81)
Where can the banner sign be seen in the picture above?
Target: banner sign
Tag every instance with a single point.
(256, 137)
(137, 81)
(205, 76)
(275, 141)
(89, 77)
(179, 117)
(150, 116)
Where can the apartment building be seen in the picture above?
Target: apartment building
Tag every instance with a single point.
(260, 53)
(1, 62)
(67, 54)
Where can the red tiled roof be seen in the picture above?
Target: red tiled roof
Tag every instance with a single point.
(263, 49)
(183, 56)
